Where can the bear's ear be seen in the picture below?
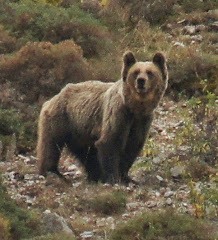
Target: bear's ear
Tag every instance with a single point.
(160, 60)
(128, 61)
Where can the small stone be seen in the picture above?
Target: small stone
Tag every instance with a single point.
(156, 160)
(179, 44)
(47, 211)
(200, 27)
(151, 204)
(162, 190)
(177, 171)
(132, 205)
(87, 235)
(100, 222)
(181, 21)
(168, 194)
(189, 30)
(169, 201)
(214, 25)
(40, 177)
(54, 223)
(197, 38)
(157, 194)
(72, 168)
(68, 173)
(160, 178)
(110, 221)
(126, 215)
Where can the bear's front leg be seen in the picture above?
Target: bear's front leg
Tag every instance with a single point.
(135, 142)
(109, 159)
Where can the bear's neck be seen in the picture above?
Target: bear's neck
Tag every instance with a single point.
(140, 105)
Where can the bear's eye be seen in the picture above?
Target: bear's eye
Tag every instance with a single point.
(136, 73)
(150, 73)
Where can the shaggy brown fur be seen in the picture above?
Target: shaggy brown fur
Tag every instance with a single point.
(104, 125)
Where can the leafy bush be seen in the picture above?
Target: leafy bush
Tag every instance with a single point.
(166, 225)
(62, 236)
(188, 68)
(36, 21)
(199, 133)
(150, 10)
(15, 124)
(190, 6)
(4, 228)
(44, 69)
(22, 224)
(37, 71)
(107, 203)
(7, 43)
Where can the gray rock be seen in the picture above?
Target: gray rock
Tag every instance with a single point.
(156, 160)
(169, 201)
(87, 235)
(197, 38)
(179, 44)
(54, 223)
(214, 25)
(160, 178)
(177, 171)
(168, 194)
(200, 27)
(151, 204)
(190, 30)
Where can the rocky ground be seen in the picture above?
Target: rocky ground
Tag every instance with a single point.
(64, 206)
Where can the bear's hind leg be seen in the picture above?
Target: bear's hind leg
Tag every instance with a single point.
(89, 159)
(92, 165)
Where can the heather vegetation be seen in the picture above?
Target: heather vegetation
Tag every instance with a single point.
(45, 44)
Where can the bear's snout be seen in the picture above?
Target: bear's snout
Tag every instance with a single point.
(140, 84)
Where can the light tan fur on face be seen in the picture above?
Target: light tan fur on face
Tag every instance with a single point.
(152, 76)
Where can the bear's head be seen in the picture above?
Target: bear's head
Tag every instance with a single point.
(145, 80)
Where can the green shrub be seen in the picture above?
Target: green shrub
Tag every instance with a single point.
(190, 6)
(199, 133)
(188, 68)
(7, 43)
(151, 11)
(16, 131)
(22, 224)
(36, 21)
(4, 228)
(57, 236)
(107, 203)
(163, 225)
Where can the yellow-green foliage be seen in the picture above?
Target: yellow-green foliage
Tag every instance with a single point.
(190, 6)
(62, 236)
(199, 131)
(20, 223)
(53, 2)
(4, 228)
(37, 21)
(166, 225)
(107, 203)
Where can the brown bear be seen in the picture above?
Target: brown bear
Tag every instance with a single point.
(104, 125)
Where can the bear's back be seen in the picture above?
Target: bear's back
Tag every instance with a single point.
(84, 106)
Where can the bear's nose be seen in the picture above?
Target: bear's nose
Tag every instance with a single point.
(141, 82)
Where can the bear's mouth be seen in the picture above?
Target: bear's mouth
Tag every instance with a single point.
(141, 89)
